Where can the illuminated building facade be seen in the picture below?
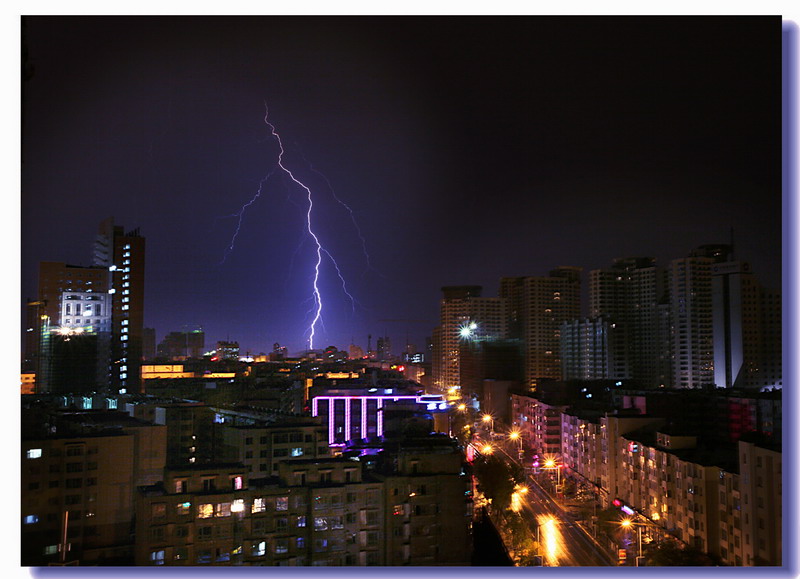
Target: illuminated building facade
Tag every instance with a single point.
(70, 330)
(537, 308)
(747, 329)
(123, 255)
(691, 316)
(464, 316)
(352, 414)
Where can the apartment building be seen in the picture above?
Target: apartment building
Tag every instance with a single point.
(78, 480)
(261, 446)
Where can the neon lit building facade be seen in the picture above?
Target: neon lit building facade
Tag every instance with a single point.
(354, 414)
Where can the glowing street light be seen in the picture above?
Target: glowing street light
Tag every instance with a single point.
(462, 407)
(550, 464)
(627, 524)
(487, 418)
(487, 449)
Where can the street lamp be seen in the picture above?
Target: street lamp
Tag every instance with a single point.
(627, 524)
(515, 436)
(550, 464)
(487, 418)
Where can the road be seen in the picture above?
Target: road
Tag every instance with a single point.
(563, 542)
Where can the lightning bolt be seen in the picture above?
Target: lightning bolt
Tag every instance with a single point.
(346, 206)
(316, 311)
(240, 215)
(317, 295)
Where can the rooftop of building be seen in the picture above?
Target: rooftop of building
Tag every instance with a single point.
(705, 453)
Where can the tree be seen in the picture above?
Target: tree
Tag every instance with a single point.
(497, 479)
(672, 554)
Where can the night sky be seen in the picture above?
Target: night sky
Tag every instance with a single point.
(467, 149)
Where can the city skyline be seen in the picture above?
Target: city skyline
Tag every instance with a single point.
(553, 141)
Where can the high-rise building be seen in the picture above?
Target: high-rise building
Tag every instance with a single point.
(384, 348)
(691, 313)
(537, 308)
(71, 338)
(123, 255)
(747, 329)
(593, 349)
(148, 343)
(227, 351)
(628, 295)
(182, 345)
(464, 315)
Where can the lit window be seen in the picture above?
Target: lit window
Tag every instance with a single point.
(297, 451)
(237, 506)
(125, 307)
(236, 482)
(30, 519)
(259, 505)
(282, 504)
(34, 453)
(157, 557)
(223, 510)
(184, 508)
(259, 549)
(205, 511)
(51, 550)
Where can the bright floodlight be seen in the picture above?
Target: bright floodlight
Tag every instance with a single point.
(513, 435)
(486, 417)
(549, 463)
(626, 523)
(465, 332)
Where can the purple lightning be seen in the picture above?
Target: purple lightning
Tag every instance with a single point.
(352, 217)
(316, 293)
(240, 215)
(316, 311)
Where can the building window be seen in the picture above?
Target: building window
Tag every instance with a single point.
(31, 519)
(259, 549)
(205, 511)
(282, 503)
(259, 505)
(34, 453)
(223, 510)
